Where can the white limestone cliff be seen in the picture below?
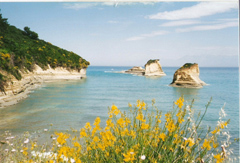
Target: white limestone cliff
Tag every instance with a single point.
(19, 89)
(153, 68)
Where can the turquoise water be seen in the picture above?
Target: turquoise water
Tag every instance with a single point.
(68, 104)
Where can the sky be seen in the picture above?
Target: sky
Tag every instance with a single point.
(129, 34)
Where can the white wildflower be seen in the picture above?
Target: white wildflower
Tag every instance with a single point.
(13, 150)
(72, 160)
(26, 141)
(6, 150)
(143, 157)
(45, 130)
(131, 153)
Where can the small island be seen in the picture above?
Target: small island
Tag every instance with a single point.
(187, 76)
(152, 68)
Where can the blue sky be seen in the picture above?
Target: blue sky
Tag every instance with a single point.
(129, 34)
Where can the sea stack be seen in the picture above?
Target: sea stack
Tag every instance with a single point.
(153, 68)
(187, 76)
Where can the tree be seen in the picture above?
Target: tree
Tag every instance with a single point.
(31, 34)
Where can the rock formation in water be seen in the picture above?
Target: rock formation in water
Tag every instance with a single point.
(135, 70)
(187, 76)
(153, 68)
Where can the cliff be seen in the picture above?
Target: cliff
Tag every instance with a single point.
(26, 61)
(187, 76)
(16, 90)
(153, 68)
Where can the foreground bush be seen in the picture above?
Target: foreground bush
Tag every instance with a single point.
(142, 134)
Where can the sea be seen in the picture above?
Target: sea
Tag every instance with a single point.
(70, 104)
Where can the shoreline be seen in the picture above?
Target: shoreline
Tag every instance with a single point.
(18, 90)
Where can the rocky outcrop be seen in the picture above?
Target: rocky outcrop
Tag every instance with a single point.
(135, 70)
(19, 89)
(187, 76)
(153, 68)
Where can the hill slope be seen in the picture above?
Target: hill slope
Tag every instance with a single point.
(20, 50)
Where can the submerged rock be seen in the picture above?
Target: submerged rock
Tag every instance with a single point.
(153, 68)
(187, 76)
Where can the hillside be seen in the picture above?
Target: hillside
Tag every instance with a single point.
(20, 50)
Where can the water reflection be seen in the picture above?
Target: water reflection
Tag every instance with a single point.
(188, 93)
(154, 77)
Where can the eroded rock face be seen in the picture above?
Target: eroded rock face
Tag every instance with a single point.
(187, 76)
(153, 68)
(19, 89)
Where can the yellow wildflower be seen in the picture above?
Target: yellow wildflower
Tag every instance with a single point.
(121, 122)
(25, 151)
(129, 105)
(219, 158)
(96, 139)
(62, 138)
(215, 145)
(83, 133)
(190, 141)
(223, 124)
(171, 126)
(144, 126)
(130, 156)
(216, 130)
(206, 144)
(88, 126)
(162, 136)
(140, 117)
(168, 117)
(132, 133)
(97, 121)
(76, 144)
(179, 102)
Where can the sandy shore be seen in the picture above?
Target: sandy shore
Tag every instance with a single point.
(18, 90)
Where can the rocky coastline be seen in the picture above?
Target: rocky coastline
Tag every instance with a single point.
(19, 89)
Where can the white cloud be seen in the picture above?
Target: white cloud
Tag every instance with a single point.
(208, 27)
(135, 38)
(113, 22)
(84, 5)
(77, 6)
(143, 36)
(179, 23)
(196, 11)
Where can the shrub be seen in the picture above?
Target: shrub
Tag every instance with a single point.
(140, 135)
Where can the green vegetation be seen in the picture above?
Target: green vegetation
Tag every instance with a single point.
(187, 65)
(142, 134)
(20, 50)
(151, 61)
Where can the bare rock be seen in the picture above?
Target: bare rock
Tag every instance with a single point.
(187, 76)
(153, 68)
(135, 70)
